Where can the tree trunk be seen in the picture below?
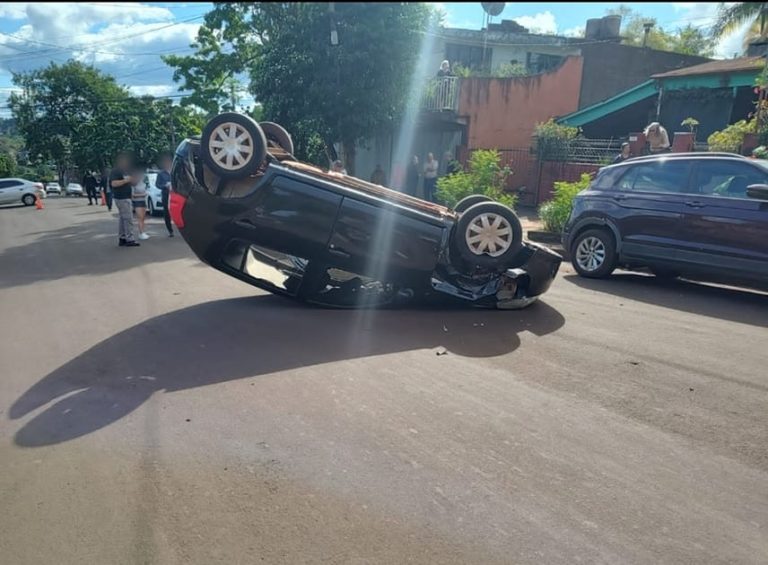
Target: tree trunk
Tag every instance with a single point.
(349, 156)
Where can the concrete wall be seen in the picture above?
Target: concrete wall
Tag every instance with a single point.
(502, 113)
(611, 68)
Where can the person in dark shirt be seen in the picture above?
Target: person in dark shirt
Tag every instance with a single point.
(412, 177)
(121, 183)
(89, 184)
(624, 155)
(163, 182)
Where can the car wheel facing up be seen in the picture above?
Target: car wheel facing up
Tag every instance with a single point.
(470, 200)
(233, 145)
(488, 234)
(593, 253)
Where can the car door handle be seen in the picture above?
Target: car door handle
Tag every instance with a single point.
(694, 203)
(620, 197)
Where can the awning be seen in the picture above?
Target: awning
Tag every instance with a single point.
(610, 105)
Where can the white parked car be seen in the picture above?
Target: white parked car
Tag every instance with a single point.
(53, 188)
(154, 194)
(73, 189)
(20, 191)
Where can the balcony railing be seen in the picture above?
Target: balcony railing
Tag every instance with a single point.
(441, 95)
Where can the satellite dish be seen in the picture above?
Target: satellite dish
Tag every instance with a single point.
(493, 8)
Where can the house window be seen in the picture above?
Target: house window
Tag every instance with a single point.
(541, 62)
(469, 56)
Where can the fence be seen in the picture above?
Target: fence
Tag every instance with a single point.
(579, 150)
(441, 94)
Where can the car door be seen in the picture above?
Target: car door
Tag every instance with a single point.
(724, 229)
(648, 201)
(11, 191)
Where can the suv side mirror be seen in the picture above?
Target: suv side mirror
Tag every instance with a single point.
(757, 191)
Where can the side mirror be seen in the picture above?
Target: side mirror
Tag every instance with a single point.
(757, 191)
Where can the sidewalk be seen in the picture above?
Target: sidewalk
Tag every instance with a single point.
(533, 228)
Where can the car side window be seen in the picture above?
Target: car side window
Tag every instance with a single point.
(9, 183)
(606, 178)
(656, 176)
(728, 179)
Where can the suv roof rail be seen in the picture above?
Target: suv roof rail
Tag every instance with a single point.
(695, 154)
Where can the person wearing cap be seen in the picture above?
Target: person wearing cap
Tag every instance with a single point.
(657, 138)
(624, 155)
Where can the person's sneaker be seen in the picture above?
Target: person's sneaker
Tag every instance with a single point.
(122, 242)
(170, 234)
(143, 235)
(132, 244)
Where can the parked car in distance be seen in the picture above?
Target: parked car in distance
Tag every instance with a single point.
(53, 188)
(73, 189)
(248, 208)
(20, 191)
(154, 194)
(701, 215)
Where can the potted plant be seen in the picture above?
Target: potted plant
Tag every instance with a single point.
(691, 124)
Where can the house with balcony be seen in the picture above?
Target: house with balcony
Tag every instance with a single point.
(559, 75)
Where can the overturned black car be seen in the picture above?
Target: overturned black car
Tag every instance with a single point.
(247, 208)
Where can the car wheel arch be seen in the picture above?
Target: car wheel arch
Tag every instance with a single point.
(596, 222)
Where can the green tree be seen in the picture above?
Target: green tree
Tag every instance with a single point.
(56, 103)
(688, 40)
(7, 165)
(731, 16)
(344, 92)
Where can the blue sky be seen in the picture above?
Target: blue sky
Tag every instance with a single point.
(126, 39)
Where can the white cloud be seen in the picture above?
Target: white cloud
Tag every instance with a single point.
(121, 39)
(703, 15)
(577, 31)
(543, 22)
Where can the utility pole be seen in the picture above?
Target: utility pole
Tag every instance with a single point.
(646, 31)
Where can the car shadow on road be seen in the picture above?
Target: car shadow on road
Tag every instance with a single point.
(726, 303)
(241, 338)
(86, 248)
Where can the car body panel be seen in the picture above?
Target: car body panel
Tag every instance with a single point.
(338, 241)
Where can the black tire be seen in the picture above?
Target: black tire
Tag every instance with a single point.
(28, 199)
(470, 200)
(241, 164)
(277, 134)
(487, 252)
(593, 253)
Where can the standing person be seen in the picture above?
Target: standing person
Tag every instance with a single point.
(445, 70)
(657, 138)
(430, 177)
(412, 177)
(338, 167)
(89, 184)
(105, 188)
(378, 176)
(120, 182)
(163, 182)
(139, 201)
(624, 155)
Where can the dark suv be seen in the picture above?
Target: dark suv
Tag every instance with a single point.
(704, 215)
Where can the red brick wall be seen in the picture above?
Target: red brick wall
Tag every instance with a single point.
(503, 112)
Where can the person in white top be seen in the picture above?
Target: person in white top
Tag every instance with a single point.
(430, 177)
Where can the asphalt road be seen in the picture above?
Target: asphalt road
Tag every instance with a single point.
(153, 410)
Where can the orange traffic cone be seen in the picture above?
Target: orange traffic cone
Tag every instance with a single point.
(103, 199)
(38, 202)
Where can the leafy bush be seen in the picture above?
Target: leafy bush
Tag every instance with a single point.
(552, 139)
(730, 138)
(484, 175)
(7, 165)
(554, 213)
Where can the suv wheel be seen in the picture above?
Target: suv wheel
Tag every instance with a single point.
(488, 234)
(233, 145)
(593, 254)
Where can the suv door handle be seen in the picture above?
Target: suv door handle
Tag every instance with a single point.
(619, 196)
(694, 203)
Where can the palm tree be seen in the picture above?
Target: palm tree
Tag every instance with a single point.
(734, 16)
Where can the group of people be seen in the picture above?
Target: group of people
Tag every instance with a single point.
(656, 137)
(126, 187)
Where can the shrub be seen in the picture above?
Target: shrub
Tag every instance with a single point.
(554, 213)
(552, 139)
(484, 175)
(7, 165)
(730, 138)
